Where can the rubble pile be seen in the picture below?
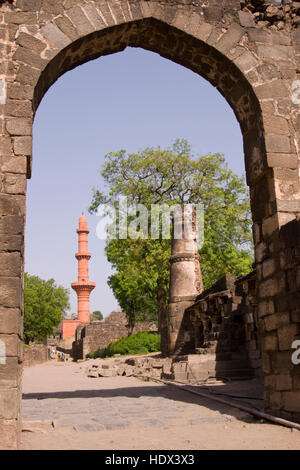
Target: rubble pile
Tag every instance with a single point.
(268, 13)
(129, 367)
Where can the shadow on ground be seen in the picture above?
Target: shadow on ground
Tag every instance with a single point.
(251, 390)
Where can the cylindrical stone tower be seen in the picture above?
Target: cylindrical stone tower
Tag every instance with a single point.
(185, 281)
(83, 286)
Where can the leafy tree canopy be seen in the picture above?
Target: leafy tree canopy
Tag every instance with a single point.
(96, 316)
(45, 305)
(174, 176)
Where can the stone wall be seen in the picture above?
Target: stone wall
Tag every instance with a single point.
(280, 321)
(99, 335)
(36, 354)
(224, 328)
(254, 65)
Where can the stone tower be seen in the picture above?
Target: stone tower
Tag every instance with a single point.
(185, 280)
(83, 286)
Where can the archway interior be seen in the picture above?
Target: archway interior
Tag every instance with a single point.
(129, 100)
(181, 48)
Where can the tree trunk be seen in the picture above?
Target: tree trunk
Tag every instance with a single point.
(131, 322)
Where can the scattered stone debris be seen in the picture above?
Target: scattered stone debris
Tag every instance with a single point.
(268, 13)
(129, 367)
(189, 368)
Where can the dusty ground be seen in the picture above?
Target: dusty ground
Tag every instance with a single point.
(65, 409)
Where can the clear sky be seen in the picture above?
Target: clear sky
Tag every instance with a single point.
(128, 100)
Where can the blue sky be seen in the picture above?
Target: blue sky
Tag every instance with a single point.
(129, 100)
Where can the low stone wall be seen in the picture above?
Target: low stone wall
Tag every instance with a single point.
(35, 354)
(223, 327)
(99, 335)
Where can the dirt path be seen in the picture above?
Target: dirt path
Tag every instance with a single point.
(65, 409)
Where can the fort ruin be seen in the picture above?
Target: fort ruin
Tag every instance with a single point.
(250, 51)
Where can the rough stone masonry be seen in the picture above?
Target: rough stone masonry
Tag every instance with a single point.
(250, 51)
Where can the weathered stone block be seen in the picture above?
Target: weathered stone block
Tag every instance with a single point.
(295, 317)
(270, 343)
(5, 146)
(19, 92)
(283, 382)
(10, 291)
(10, 434)
(12, 345)
(94, 17)
(10, 373)
(11, 243)
(117, 11)
(19, 108)
(28, 76)
(291, 401)
(266, 363)
(53, 34)
(269, 225)
(10, 264)
(270, 382)
(10, 320)
(282, 362)
(30, 42)
(19, 17)
(246, 19)
(19, 126)
(11, 225)
(284, 218)
(28, 57)
(67, 27)
(29, 5)
(275, 52)
(23, 145)
(278, 144)
(80, 21)
(53, 6)
(11, 205)
(282, 160)
(260, 251)
(269, 90)
(103, 8)
(265, 307)
(275, 400)
(272, 322)
(14, 184)
(8, 404)
(286, 336)
(230, 38)
(269, 267)
(246, 61)
(276, 125)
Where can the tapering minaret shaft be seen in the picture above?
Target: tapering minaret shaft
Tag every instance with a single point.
(185, 278)
(83, 286)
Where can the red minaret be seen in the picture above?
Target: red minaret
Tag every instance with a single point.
(83, 287)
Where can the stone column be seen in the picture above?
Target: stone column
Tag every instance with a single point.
(185, 282)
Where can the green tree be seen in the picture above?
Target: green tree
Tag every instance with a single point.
(96, 316)
(174, 176)
(140, 283)
(45, 305)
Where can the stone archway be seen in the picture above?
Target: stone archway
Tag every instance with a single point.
(255, 66)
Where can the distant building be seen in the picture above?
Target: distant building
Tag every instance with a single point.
(83, 286)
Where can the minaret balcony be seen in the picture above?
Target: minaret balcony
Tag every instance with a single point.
(83, 256)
